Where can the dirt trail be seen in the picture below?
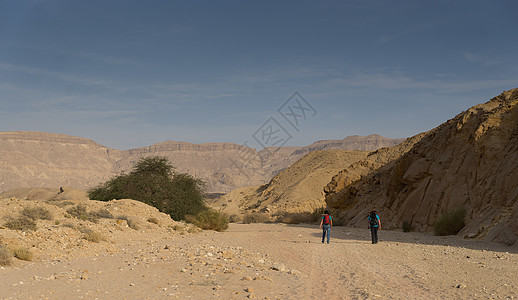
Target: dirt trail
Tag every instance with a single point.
(269, 261)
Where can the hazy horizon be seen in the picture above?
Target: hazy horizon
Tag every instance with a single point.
(130, 74)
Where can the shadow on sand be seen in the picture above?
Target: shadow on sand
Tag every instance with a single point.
(348, 235)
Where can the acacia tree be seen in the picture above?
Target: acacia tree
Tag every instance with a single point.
(155, 182)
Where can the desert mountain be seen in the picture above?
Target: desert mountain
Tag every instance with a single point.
(296, 189)
(38, 159)
(471, 161)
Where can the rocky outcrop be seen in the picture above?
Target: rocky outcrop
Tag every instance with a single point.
(297, 189)
(471, 161)
(38, 159)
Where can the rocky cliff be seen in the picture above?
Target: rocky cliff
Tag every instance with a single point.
(471, 161)
(38, 159)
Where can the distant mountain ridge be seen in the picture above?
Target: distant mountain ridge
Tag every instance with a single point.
(40, 159)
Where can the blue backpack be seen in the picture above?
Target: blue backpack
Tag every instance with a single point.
(373, 220)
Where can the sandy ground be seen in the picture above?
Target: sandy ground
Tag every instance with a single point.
(272, 261)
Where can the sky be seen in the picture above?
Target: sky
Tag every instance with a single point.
(129, 74)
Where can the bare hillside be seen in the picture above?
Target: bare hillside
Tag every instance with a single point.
(299, 188)
(471, 161)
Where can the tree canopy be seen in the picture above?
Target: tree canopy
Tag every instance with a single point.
(156, 182)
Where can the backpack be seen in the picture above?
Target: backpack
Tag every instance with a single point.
(326, 219)
(373, 220)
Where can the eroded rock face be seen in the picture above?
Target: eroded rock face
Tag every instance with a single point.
(470, 161)
(39, 159)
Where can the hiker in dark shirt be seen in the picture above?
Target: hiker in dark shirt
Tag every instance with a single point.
(326, 224)
(374, 225)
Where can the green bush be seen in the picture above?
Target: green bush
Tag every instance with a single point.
(5, 256)
(407, 227)
(255, 218)
(450, 222)
(22, 223)
(79, 211)
(209, 219)
(23, 254)
(155, 182)
(37, 213)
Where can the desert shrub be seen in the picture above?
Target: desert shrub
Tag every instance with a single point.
(296, 218)
(92, 236)
(155, 182)
(132, 223)
(407, 227)
(178, 227)
(255, 218)
(37, 213)
(21, 223)
(5, 256)
(63, 204)
(209, 219)
(192, 229)
(234, 218)
(103, 213)
(153, 220)
(69, 225)
(79, 211)
(23, 254)
(450, 222)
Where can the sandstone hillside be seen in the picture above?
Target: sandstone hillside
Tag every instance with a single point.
(38, 159)
(65, 234)
(471, 161)
(299, 188)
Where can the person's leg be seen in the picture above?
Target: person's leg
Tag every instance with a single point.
(375, 235)
(372, 234)
(328, 233)
(323, 233)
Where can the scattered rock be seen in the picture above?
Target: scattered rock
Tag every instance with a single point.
(279, 267)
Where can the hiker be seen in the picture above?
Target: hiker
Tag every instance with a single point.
(326, 224)
(374, 225)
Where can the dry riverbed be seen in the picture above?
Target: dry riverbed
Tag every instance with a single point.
(270, 261)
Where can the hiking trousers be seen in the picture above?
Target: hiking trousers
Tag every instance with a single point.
(326, 229)
(374, 235)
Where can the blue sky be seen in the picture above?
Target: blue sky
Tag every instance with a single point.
(132, 73)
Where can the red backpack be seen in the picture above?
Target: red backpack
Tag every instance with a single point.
(326, 219)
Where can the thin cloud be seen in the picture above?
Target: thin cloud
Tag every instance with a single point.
(386, 38)
(395, 81)
(57, 75)
(480, 59)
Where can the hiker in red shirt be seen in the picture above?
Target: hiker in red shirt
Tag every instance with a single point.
(326, 224)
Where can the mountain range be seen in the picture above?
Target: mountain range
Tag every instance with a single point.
(40, 159)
